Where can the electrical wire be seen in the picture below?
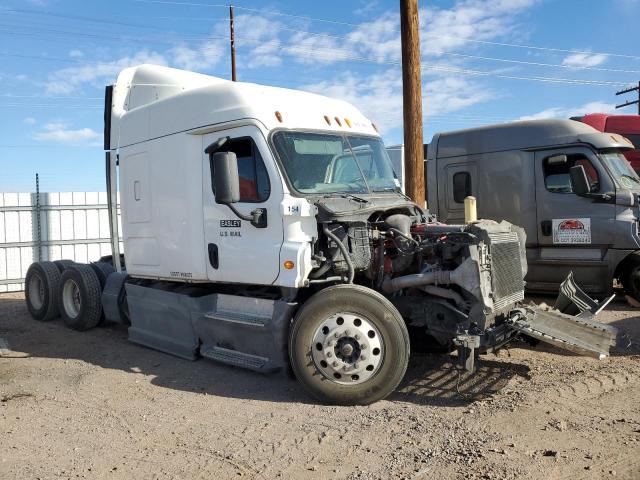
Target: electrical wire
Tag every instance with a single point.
(317, 34)
(427, 34)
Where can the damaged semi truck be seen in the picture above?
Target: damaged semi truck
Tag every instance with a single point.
(265, 228)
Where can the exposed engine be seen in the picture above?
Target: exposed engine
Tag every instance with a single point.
(449, 280)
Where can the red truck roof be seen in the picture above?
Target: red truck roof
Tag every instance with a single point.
(622, 124)
(625, 125)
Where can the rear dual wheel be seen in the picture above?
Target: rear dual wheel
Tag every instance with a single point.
(80, 297)
(42, 283)
(349, 346)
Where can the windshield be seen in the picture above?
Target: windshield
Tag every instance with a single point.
(318, 163)
(635, 139)
(620, 169)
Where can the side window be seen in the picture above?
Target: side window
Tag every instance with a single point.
(556, 174)
(461, 186)
(254, 180)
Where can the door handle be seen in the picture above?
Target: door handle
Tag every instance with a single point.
(213, 255)
(545, 226)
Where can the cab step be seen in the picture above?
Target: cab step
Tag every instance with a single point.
(235, 358)
(239, 317)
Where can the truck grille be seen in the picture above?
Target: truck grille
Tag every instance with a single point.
(506, 267)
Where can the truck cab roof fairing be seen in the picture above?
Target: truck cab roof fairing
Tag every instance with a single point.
(523, 135)
(151, 101)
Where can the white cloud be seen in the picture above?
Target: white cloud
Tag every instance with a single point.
(262, 39)
(581, 60)
(69, 80)
(441, 29)
(451, 29)
(29, 121)
(379, 96)
(206, 55)
(568, 112)
(61, 133)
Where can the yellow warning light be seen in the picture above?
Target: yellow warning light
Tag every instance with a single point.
(279, 116)
(289, 265)
(327, 119)
(346, 120)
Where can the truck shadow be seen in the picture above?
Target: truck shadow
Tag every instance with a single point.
(431, 379)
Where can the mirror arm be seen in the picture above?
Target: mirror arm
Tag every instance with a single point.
(257, 217)
(603, 197)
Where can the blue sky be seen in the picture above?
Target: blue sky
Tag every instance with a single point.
(485, 61)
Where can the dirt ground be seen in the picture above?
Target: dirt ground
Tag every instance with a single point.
(93, 405)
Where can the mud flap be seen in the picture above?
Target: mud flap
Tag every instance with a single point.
(580, 334)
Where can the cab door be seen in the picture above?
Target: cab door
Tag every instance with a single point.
(574, 232)
(237, 251)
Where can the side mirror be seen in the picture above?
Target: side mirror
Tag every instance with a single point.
(579, 180)
(225, 177)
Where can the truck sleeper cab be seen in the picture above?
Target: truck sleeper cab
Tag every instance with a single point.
(569, 186)
(265, 227)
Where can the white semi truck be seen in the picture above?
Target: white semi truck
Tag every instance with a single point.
(265, 228)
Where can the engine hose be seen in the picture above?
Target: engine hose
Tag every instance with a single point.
(321, 270)
(445, 293)
(326, 280)
(344, 252)
(380, 274)
(405, 236)
(390, 285)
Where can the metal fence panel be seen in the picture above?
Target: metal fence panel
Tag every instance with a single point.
(54, 226)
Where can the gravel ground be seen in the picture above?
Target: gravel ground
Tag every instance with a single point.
(93, 405)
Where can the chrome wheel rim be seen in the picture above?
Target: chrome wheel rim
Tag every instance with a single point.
(36, 291)
(71, 298)
(347, 348)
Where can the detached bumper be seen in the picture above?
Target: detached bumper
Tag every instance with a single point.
(559, 326)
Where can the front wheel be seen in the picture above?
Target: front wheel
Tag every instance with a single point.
(631, 278)
(349, 346)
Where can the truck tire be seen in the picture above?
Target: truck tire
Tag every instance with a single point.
(102, 270)
(631, 278)
(80, 297)
(63, 264)
(348, 345)
(41, 286)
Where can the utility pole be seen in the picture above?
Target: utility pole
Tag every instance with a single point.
(412, 102)
(233, 44)
(633, 102)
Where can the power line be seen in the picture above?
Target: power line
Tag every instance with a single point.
(94, 35)
(255, 10)
(426, 33)
(341, 37)
(476, 57)
(47, 105)
(533, 47)
(342, 55)
(53, 97)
